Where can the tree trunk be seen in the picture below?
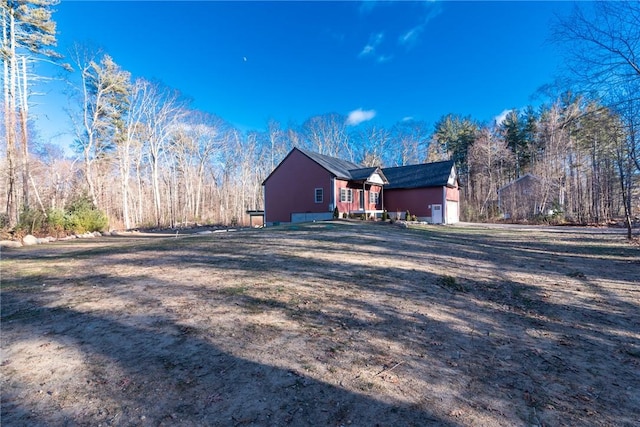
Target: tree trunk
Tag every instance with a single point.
(155, 182)
(9, 108)
(626, 201)
(24, 109)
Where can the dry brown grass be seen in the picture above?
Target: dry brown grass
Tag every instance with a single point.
(324, 324)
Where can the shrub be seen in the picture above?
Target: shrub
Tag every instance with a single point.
(385, 215)
(82, 217)
(336, 213)
(414, 218)
(31, 221)
(344, 215)
(407, 216)
(55, 221)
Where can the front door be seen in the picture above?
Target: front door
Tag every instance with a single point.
(436, 214)
(361, 197)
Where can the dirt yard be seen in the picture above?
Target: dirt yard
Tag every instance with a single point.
(331, 324)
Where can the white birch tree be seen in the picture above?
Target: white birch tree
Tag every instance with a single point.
(161, 116)
(103, 98)
(28, 32)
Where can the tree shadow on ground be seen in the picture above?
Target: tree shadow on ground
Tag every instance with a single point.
(504, 341)
(134, 371)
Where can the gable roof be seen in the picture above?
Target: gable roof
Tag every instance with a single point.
(371, 174)
(436, 174)
(423, 175)
(362, 173)
(338, 167)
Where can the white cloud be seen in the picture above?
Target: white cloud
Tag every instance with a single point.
(407, 119)
(411, 37)
(374, 42)
(384, 58)
(367, 50)
(501, 117)
(358, 116)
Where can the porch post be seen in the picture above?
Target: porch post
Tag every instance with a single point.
(364, 198)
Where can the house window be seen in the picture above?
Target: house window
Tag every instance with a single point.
(346, 195)
(319, 195)
(374, 196)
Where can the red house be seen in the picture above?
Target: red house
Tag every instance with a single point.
(430, 191)
(308, 186)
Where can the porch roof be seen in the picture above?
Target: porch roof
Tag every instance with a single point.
(344, 169)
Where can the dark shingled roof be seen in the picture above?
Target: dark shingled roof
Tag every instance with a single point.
(412, 176)
(418, 176)
(340, 168)
(362, 173)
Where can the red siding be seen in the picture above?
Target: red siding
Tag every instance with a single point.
(355, 204)
(415, 200)
(291, 188)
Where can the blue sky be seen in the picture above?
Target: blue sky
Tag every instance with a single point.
(251, 61)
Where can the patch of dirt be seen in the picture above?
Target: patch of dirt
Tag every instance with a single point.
(324, 324)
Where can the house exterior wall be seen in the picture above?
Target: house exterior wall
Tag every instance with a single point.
(417, 201)
(354, 206)
(291, 189)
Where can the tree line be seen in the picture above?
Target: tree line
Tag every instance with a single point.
(147, 159)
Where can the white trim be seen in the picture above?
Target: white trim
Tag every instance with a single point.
(444, 205)
(348, 195)
(376, 179)
(333, 192)
(452, 177)
(374, 195)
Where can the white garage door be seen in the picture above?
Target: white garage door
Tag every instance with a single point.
(452, 212)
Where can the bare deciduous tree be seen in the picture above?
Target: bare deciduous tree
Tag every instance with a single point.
(28, 31)
(103, 97)
(603, 48)
(327, 134)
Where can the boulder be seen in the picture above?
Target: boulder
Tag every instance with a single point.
(29, 240)
(10, 244)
